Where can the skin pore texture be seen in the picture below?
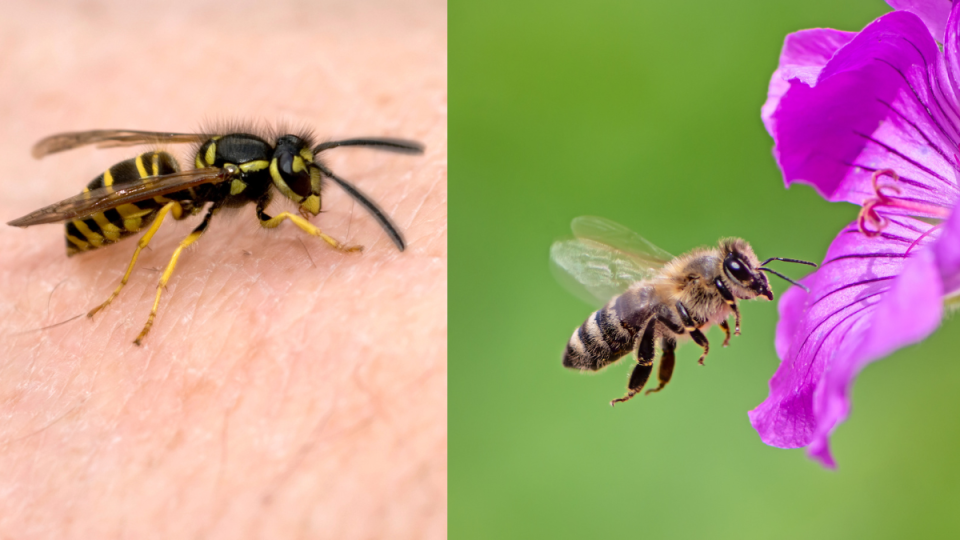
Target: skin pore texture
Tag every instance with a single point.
(286, 390)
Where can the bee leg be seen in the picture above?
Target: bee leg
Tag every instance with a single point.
(732, 302)
(271, 222)
(690, 326)
(667, 360)
(726, 329)
(645, 352)
(142, 243)
(702, 341)
(191, 238)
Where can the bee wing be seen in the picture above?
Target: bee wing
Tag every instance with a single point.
(107, 138)
(604, 259)
(617, 236)
(104, 198)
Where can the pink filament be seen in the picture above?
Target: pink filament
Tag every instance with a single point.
(884, 200)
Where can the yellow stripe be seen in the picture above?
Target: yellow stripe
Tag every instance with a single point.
(253, 166)
(199, 164)
(130, 210)
(92, 237)
(156, 164)
(211, 155)
(307, 154)
(108, 180)
(298, 165)
(312, 204)
(78, 242)
(132, 224)
(281, 184)
(237, 186)
(140, 168)
(111, 231)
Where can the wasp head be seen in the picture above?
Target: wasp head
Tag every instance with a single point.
(294, 173)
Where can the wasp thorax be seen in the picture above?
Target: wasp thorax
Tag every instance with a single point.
(294, 173)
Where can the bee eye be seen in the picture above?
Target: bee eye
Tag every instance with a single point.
(736, 269)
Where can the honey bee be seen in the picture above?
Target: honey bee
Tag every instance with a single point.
(652, 298)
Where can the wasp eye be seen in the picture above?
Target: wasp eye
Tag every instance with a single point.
(737, 269)
(294, 171)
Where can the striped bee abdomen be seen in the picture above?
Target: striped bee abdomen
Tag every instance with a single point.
(110, 226)
(600, 340)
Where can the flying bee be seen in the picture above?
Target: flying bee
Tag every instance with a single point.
(230, 170)
(652, 298)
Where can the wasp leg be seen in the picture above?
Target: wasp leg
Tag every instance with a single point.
(691, 326)
(726, 330)
(732, 302)
(645, 352)
(667, 361)
(142, 243)
(270, 222)
(191, 238)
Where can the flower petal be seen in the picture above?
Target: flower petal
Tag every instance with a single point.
(854, 314)
(951, 47)
(803, 56)
(947, 251)
(932, 12)
(882, 101)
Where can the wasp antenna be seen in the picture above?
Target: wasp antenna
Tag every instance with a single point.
(371, 207)
(402, 146)
(808, 263)
(781, 276)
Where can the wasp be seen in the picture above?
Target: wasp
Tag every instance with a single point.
(652, 298)
(230, 170)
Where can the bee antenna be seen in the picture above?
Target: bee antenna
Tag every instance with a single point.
(781, 276)
(808, 263)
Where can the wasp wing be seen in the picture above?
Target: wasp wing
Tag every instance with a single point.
(107, 138)
(604, 259)
(104, 198)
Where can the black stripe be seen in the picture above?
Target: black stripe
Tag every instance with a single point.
(168, 164)
(615, 338)
(94, 227)
(73, 231)
(125, 172)
(113, 217)
(96, 183)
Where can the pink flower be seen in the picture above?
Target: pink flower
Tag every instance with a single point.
(871, 118)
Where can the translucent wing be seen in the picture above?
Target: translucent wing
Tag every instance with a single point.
(617, 236)
(604, 259)
(106, 138)
(104, 198)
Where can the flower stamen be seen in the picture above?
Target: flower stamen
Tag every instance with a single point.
(884, 197)
(869, 213)
(922, 236)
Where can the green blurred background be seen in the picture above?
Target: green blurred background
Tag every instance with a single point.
(648, 113)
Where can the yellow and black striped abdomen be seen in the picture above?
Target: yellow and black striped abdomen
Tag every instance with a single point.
(110, 226)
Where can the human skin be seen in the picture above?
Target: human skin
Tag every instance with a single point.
(286, 390)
